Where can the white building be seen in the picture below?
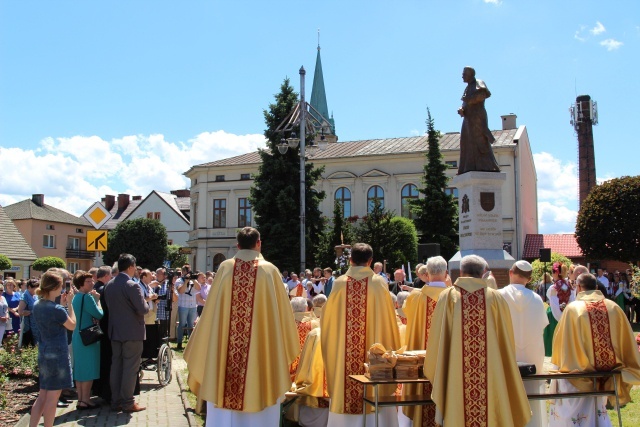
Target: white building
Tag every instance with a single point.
(356, 172)
(171, 209)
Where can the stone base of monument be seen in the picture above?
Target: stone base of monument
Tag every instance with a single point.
(480, 222)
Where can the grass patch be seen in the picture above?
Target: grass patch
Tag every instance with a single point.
(630, 413)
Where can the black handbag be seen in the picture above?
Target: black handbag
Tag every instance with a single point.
(526, 369)
(91, 334)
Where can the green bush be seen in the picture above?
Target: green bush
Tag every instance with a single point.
(5, 262)
(16, 362)
(47, 262)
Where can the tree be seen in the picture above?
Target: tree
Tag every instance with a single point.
(336, 233)
(392, 238)
(608, 224)
(5, 262)
(47, 262)
(539, 267)
(175, 257)
(275, 194)
(145, 239)
(436, 214)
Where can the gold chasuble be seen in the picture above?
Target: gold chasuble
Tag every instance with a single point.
(358, 314)
(595, 335)
(419, 309)
(311, 381)
(305, 322)
(471, 359)
(239, 354)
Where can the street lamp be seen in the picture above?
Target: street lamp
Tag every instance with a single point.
(297, 119)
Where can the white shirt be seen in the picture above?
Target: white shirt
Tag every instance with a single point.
(603, 279)
(529, 318)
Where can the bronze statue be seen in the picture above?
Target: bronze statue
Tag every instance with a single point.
(475, 137)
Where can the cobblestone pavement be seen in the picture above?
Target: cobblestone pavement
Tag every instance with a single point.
(164, 408)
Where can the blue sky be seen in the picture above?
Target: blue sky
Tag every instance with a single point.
(108, 97)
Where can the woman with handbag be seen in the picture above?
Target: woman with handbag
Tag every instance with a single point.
(86, 354)
(53, 353)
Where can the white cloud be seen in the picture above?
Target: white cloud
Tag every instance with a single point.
(75, 172)
(496, 2)
(415, 132)
(557, 194)
(554, 219)
(611, 44)
(579, 33)
(598, 29)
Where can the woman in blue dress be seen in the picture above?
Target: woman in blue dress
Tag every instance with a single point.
(54, 364)
(13, 299)
(86, 358)
(27, 300)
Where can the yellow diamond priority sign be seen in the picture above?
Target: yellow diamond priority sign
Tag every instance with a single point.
(96, 240)
(97, 215)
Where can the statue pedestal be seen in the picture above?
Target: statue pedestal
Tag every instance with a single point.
(480, 220)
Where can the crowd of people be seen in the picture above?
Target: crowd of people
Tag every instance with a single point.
(263, 333)
(53, 311)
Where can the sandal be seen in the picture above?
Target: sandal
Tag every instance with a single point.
(86, 406)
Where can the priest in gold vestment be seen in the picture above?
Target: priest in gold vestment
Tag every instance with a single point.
(239, 354)
(419, 308)
(305, 322)
(471, 359)
(311, 384)
(593, 335)
(358, 314)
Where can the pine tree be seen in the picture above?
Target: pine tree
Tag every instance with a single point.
(275, 194)
(436, 214)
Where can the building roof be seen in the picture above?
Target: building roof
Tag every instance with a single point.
(564, 244)
(27, 209)
(171, 200)
(12, 242)
(119, 215)
(376, 147)
(318, 94)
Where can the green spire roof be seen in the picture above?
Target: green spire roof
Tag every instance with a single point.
(318, 94)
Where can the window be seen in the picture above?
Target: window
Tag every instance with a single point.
(156, 215)
(73, 243)
(73, 267)
(50, 227)
(375, 193)
(219, 213)
(452, 164)
(79, 231)
(219, 177)
(48, 241)
(409, 193)
(169, 242)
(452, 191)
(217, 260)
(343, 195)
(244, 212)
(149, 215)
(245, 176)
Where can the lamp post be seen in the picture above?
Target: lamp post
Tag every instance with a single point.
(297, 119)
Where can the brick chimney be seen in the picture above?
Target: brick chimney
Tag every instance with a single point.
(38, 199)
(181, 193)
(109, 201)
(509, 121)
(585, 118)
(123, 201)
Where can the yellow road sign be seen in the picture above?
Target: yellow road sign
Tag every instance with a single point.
(96, 240)
(97, 215)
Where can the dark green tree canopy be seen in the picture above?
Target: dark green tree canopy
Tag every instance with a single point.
(145, 239)
(392, 238)
(47, 262)
(5, 262)
(436, 214)
(175, 257)
(608, 224)
(275, 194)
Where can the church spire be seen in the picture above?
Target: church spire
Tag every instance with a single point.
(318, 94)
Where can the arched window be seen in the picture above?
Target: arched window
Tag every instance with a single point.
(409, 192)
(375, 192)
(343, 195)
(217, 260)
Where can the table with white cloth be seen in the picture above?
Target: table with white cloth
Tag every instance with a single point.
(382, 401)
